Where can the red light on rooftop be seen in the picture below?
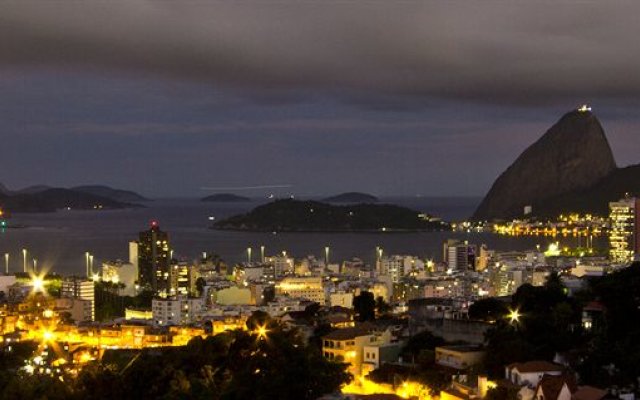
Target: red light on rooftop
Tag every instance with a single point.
(154, 224)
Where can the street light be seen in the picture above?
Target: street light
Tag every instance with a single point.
(514, 316)
(262, 254)
(24, 261)
(261, 331)
(38, 283)
(90, 264)
(326, 255)
(249, 254)
(86, 256)
(35, 265)
(6, 263)
(47, 336)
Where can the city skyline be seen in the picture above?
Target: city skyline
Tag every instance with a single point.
(234, 96)
(282, 200)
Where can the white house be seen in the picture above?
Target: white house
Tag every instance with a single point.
(530, 373)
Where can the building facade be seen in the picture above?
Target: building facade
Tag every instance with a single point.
(154, 258)
(624, 238)
(459, 256)
(309, 288)
(175, 310)
(81, 289)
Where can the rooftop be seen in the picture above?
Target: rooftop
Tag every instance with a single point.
(589, 393)
(348, 333)
(464, 348)
(536, 366)
(552, 385)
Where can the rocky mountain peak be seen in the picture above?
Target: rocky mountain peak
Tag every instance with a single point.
(573, 154)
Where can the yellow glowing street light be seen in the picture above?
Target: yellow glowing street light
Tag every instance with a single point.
(326, 255)
(261, 331)
(514, 316)
(38, 283)
(24, 260)
(48, 336)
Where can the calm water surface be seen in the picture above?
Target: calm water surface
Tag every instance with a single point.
(59, 240)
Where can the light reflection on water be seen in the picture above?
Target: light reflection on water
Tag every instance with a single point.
(60, 240)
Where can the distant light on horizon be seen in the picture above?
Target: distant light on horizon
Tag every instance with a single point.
(220, 188)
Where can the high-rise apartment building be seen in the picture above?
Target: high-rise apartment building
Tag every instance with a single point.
(398, 266)
(154, 258)
(624, 233)
(459, 256)
(179, 282)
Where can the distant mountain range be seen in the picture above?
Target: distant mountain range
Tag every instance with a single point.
(351, 197)
(290, 215)
(225, 198)
(571, 168)
(48, 199)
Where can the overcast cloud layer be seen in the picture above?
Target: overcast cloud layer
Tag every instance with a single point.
(500, 51)
(394, 98)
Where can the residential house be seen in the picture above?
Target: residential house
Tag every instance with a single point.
(459, 357)
(348, 344)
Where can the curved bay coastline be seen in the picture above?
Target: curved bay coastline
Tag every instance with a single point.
(59, 240)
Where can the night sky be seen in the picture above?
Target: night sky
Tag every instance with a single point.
(391, 98)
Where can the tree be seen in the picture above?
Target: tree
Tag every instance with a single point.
(382, 307)
(424, 340)
(547, 325)
(323, 329)
(490, 309)
(280, 367)
(200, 284)
(365, 306)
(617, 343)
(502, 393)
(229, 366)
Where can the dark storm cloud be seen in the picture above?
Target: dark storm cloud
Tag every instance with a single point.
(490, 51)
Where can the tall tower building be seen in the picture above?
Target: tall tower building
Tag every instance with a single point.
(133, 256)
(154, 258)
(624, 235)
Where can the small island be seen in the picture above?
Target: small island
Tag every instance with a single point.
(351, 198)
(51, 200)
(123, 196)
(290, 215)
(226, 198)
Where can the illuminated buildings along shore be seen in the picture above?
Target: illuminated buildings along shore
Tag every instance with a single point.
(624, 234)
(209, 297)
